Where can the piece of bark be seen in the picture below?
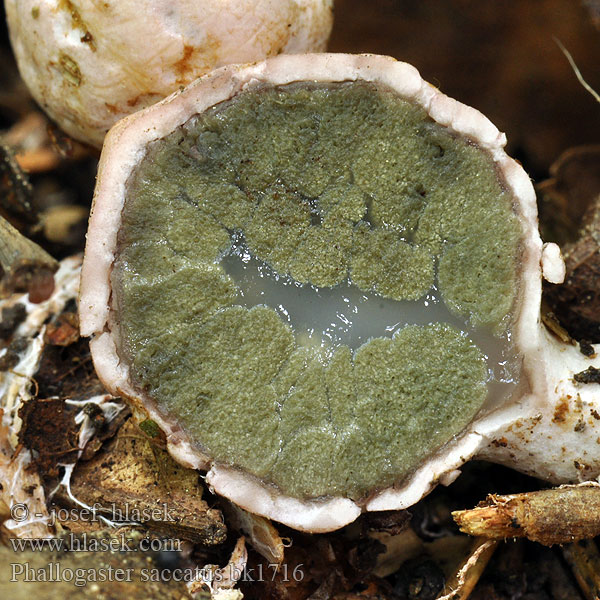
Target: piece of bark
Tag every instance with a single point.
(561, 515)
(68, 372)
(131, 476)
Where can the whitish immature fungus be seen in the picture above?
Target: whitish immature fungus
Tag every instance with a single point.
(90, 63)
(321, 277)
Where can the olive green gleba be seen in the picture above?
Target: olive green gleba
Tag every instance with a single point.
(347, 199)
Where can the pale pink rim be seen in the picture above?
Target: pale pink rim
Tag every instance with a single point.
(125, 146)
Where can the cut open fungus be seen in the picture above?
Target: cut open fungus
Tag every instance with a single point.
(321, 277)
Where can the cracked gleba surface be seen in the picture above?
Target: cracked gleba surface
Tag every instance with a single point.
(317, 281)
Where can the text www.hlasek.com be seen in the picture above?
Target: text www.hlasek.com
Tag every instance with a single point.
(84, 543)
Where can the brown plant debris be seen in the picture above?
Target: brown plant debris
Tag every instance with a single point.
(346, 564)
(63, 331)
(577, 302)
(38, 146)
(12, 317)
(24, 266)
(526, 571)
(50, 432)
(29, 139)
(584, 559)
(130, 475)
(594, 8)
(216, 579)
(587, 349)
(557, 516)
(590, 375)
(64, 223)
(464, 580)
(572, 188)
(103, 430)
(11, 357)
(67, 371)
(570, 214)
(419, 578)
(553, 325)
(392, 522)
(263, 535)
(372, 591)
(16, 193)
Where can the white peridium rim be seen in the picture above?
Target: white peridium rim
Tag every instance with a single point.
(125, 146)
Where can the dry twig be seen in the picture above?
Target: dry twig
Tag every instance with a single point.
(557, 516)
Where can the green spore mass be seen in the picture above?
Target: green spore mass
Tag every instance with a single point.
(328, 185)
